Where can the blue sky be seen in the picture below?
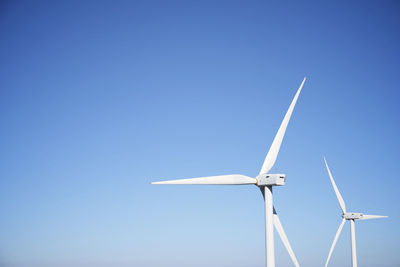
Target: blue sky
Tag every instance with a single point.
(97, 99)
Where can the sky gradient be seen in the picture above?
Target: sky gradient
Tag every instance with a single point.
(99, 98)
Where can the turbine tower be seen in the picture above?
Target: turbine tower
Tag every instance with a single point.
(265, 181)
(347, 216)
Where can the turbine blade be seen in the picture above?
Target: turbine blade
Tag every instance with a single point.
(233, 179)
(338, 195)
(334, 241)
(368, 217)
(276, 144)
(281, 232)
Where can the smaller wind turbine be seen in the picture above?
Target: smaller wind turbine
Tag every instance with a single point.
(349, 216)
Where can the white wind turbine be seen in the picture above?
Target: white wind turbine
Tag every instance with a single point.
(265, 181)
(349, 216)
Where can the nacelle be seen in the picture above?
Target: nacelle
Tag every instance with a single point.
(271, 179)
(352, 216)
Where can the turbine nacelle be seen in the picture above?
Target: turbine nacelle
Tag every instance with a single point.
(352, 216)
(268, 179)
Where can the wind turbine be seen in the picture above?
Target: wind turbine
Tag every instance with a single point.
(265, 181)
(347, 216)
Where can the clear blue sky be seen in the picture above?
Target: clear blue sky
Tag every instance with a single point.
(97, 99)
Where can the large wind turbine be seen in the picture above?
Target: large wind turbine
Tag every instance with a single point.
(265, 181)
(349, 216)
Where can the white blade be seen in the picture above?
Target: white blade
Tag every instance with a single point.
(338, 195)
(281, 232)
(368, 217)
(276, 144)
(233, 179)
(334, 241)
